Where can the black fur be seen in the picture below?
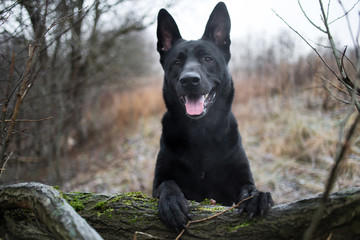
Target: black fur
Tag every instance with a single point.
(201, 155)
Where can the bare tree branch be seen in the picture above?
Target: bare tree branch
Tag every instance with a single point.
(346, 13)
(312, 23)
(308, 43)
(331, 93)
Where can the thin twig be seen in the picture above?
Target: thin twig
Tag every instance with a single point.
(213, 216)
(329, 237)
(342, 60)
(8, 9)
(5, 111)
(332, 84)
(220, 213)
(2, 169)
(29, 120)
(312, 23)
(336, 87)
(144, 234)
(5, 19)
(328, 10)
(346, 13)
(7, 92)
(331, 40)
(334, 96)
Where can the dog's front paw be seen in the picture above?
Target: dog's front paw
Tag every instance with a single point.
(258, 205)
(174, 210)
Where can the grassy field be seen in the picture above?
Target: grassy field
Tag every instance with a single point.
(290, 136)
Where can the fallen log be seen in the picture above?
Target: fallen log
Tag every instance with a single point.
(134, 216)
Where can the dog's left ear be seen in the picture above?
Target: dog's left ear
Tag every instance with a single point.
(217, 28)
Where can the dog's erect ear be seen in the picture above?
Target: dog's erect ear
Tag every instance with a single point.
(217, 28)
(167, 31)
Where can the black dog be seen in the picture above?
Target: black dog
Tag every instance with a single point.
(201, 155)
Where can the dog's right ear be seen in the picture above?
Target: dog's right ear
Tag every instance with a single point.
(167, 31)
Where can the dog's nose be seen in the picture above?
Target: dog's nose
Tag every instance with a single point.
(190, 79)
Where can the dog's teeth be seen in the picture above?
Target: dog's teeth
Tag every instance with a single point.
(183, 100)
(206, 95)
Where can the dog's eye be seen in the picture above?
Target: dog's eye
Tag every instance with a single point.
(176, 63)
(208, 59)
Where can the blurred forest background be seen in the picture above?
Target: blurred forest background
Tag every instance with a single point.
(80, 93)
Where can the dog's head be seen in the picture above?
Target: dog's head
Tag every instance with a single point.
(196, 70)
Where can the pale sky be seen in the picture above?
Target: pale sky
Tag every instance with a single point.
(256, 17)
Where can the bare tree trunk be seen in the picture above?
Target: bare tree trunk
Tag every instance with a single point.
(38, 21)
(121, 216)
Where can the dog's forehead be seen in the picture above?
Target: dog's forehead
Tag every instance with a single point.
(195, 47)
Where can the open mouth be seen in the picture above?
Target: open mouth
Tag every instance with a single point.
(197, 105)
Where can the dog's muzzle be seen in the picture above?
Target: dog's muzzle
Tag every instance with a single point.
(196, 99)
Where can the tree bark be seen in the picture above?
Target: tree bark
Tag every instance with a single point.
(120, 216)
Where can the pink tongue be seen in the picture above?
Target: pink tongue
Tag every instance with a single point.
(194, 105)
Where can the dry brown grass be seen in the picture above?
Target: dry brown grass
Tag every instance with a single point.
(130, 106)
